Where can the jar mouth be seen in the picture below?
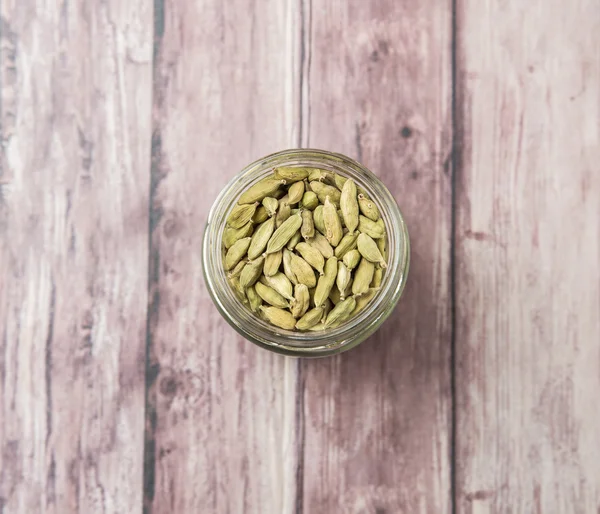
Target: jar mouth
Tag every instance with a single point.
(309, 343)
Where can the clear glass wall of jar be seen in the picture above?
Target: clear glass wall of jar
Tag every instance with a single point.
(312, 343)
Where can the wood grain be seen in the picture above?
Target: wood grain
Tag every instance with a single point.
(528, 254)
(377, 419)
(74, 180)
(221, 410)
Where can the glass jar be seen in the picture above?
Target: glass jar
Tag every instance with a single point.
(311, 343)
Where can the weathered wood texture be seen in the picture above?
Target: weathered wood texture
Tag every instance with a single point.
(74, 180)
(221, 410)
(528, 257)
(377, 419)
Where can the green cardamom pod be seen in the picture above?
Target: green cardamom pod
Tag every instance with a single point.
(347, 243)
(374, 229)
(284, 233)
(318, 219)
(340, 312)
(368, 249)
(326, 281)
(260, 238)
(251, 272)
(333, 226)
(351, 259)
(319, 241)
(343, 279)
(272, 263)
(324, 190)
(270, 296)
(260, 190)
(280, 283)
(254, 300)
(303, 271)
(295, 193)
(368, 208)
(241, 214)
(363, 277)
(308, 225)
(279, 317)
(236, 253)
(312, 256)
(271, 205)
(349, 205)
(231, 235)
(291, 174)
(310, 319)
(310, 201)
(301, 301)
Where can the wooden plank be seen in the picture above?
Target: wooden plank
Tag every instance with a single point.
(221, 410)
(74, 180)
(528, 226)
(377, 419)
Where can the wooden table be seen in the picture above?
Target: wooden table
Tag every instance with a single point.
(123, 389)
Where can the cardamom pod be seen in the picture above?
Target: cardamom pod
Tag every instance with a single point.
(326, 281)
(301, 301)
(310, 319)
(270, 296)
(270, 204)
(260, 190)
(231, 235)
(235, 272)
(351, 259)
(349, 205)
(343, 279)
(377, 278)
(272, 263)
(335, 296)
(251, 272)
(260, 216)
(319, 241)
(291, 174)
(241, 214)
(381, 245)
(324, 190)
(283, 212)
(327, 306)
(312, 256)
(341, 216)
(280, 283)
(236, 253)
(341, 312)
(260, 238)
(317, 174)
(254, 300)
(339, 181)
(368, 249)
(279, 317)
(303, 271)
(237, 288)
(295, 192)
(367, 207)
(310, 201)
(363, 300)
(284, 233)
(347, 243)
(372, 228)
(308, 225)
(333, 226)
(296, 238)
(363, 277)
(318, 219)
(287, 266)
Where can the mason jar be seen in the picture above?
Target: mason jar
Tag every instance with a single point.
(312, 343)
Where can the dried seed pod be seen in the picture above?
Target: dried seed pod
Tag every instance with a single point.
(280, 283)
(271, 205)
(272, 263)
(368, 249)
(231, 235)
(295, 193)
(347, 243)
(291, 174)
(343, 279)
(260, 238)
(308, 225)
(374, 229)
(349, 205)
(318, 219)
(236, 253)
(254, 300)
(303, 271)
(251, 272)
(310, 201)
(351, 259)
(296, 238)
(284, 211)
(363, 277)
(284, 233)
(270, 296)
(367, 207)
(326, 281)
(279, 317)
(260, 190)
(333, 226)
(301, 301)
(312, 256)
(310, 319)
(340, 312)
(287, 266)
(241, 214)
(319, 241)
(324, 190)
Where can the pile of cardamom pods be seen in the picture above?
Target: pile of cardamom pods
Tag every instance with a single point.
(304, 248)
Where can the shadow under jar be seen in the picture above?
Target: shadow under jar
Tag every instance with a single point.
(328, 341)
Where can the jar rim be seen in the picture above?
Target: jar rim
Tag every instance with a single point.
(326, 341)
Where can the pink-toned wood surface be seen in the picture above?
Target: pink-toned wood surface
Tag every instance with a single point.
(123, 390)
(74, 181)
(528, 257)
